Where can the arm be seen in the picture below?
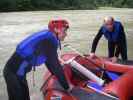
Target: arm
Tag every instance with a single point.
(96, 40)
(53, 64)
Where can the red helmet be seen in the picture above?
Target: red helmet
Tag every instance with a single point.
(58, 24)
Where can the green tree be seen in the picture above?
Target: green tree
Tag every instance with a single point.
(119, 3)
(7, 5)
(128, 3)
(21, 5)
(24, 5)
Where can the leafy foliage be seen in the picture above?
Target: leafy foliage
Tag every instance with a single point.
(21, 5)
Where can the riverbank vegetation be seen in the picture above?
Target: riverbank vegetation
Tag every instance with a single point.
(28, 5)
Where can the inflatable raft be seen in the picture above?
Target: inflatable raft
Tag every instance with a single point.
(93, 79)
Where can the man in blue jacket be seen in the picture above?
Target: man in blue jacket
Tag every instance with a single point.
(39, 48)
(114, 33)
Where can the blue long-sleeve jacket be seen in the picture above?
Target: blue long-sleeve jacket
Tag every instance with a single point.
(39, 48)
(117, 35)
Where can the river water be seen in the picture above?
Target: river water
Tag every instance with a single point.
(84, 24)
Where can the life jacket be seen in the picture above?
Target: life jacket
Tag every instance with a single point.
(26, 49)
(112, 36)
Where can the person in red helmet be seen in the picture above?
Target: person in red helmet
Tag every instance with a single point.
(39, 48)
